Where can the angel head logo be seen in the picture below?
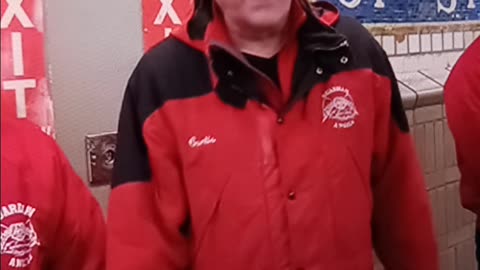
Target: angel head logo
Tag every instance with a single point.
(18, 239)
(338, 105)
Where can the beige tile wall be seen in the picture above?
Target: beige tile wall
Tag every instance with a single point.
(455, 227)
(410, 40)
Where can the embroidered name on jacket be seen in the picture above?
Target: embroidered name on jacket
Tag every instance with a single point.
(194, 142)
(339, 107)
(18, 234)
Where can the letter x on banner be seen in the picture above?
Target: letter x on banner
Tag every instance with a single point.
(160, 17)
(24, 87)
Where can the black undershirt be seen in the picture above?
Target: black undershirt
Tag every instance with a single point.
(269, 66)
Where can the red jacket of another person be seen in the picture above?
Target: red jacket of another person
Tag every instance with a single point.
(49, 219)
(462, 100)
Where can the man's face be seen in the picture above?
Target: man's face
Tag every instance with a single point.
(261, 14)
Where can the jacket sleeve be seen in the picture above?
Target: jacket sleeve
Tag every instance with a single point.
(148, 208)
(80, 241)
(462, 102)
(403, 232)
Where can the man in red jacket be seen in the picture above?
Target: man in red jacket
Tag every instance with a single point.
(265, 135)
(462, 102)
(49, 219)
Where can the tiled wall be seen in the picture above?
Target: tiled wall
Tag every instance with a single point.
(422, 56)
(411, 11)
(421, 39)
(422, 93)
(419, 46)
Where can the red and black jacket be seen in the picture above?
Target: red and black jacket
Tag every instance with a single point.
(49, 218)
(462, 102)
(217, 168)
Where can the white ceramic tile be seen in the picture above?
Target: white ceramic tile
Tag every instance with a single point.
(468, 38)
(439, 75)
(379, 39)
(402, 47)
(447, 41)
(416, 81)
(426, 42)
(414, 43)
(437, 42)
(477, 34)
(388, 43)
(458, 40)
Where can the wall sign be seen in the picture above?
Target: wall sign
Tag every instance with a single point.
(23, 82)
(410, 11)
(160, 17)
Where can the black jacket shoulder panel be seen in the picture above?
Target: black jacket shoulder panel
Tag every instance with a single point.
(170, 70)
(368, 53)
(361, 42)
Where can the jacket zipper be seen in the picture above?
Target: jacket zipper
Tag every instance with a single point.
(242, 60)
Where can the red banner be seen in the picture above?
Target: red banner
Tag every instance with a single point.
(23, 78)
(160, 17)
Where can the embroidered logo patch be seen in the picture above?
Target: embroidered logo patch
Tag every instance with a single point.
(339, 107)
(18, 234)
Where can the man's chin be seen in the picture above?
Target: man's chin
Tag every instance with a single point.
(262, 23)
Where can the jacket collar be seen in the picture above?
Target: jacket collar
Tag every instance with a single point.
(316, 41)
(215, 33)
